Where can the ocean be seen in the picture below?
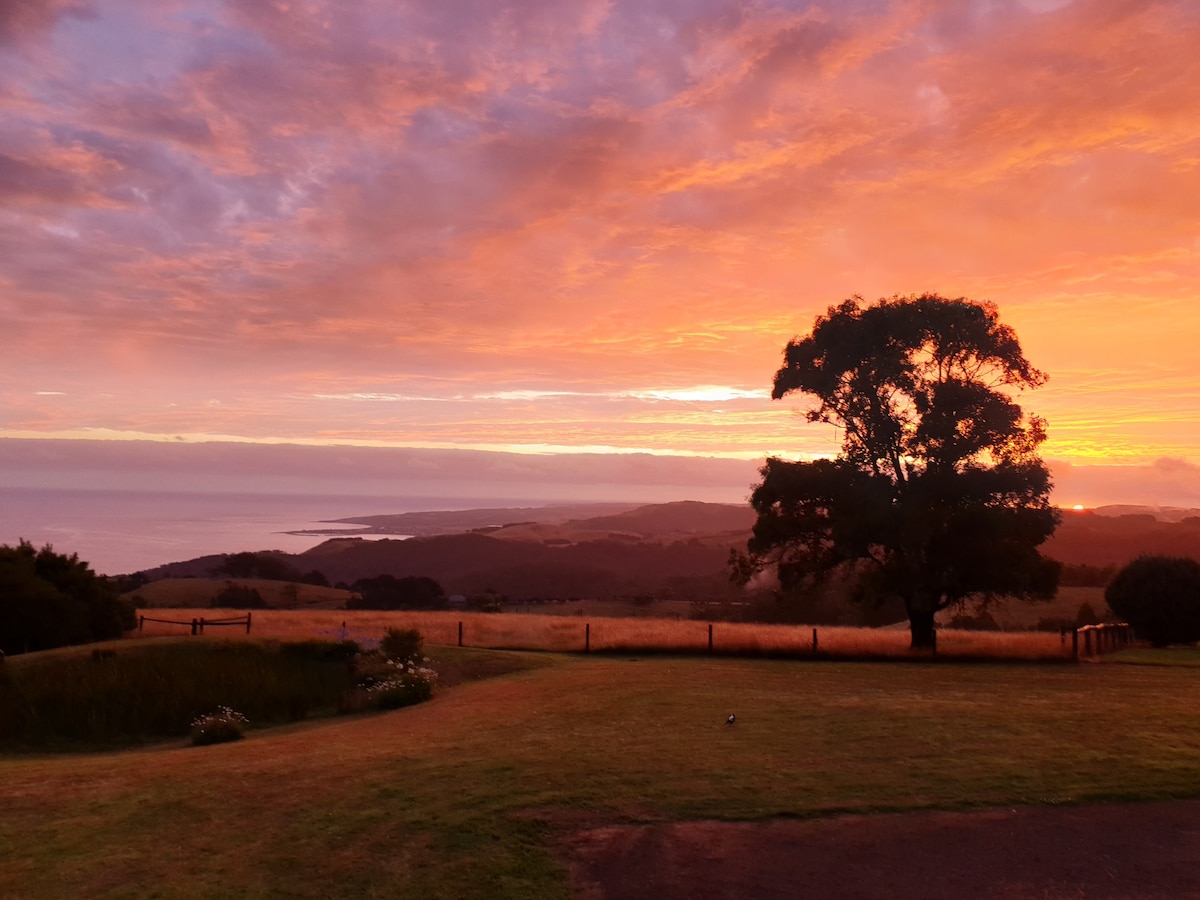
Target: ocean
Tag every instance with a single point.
(118, 532)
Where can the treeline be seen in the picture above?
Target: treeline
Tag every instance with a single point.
(49, 599)
(1083, 575)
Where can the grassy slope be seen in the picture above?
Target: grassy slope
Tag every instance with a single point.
(199, 593)
(460, 797)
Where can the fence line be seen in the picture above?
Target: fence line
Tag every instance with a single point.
(198, 625)
(708, 638)
(1108, 638)
(641, 635)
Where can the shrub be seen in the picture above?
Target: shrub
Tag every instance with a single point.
(219, 727)
(408, 686)
(1160, 597)
(402, 643)
(322, 651)
(393, 677)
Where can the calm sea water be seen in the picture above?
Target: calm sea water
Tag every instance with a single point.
(122, 531)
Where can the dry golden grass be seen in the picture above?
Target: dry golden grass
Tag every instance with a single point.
(636, 635)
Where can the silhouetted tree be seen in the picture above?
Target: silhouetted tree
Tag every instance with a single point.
(238, 596)
(48, 599)
(257, 565)
(1160, 597)
(315, 577)
(938, 494)
(390, 592)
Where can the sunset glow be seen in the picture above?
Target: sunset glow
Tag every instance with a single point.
(562, 227)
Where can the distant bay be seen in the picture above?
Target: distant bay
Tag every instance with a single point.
(125, 531)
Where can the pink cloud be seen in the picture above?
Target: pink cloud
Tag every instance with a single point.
(24, 19)
(229, 202)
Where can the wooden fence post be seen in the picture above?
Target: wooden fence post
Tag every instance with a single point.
(460, 634)
(814, 642)
(247, 623)
(195, 625)
(141, 622)
(710, 637)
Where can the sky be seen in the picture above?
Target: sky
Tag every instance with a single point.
(591, 227)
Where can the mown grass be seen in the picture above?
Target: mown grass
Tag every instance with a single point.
(466, 796)
(1161, 656)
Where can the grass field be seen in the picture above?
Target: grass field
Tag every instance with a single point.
(608, 634)
(466, 796)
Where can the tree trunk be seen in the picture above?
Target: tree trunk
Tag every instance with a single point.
(920, 626)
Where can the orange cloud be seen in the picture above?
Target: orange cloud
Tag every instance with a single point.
(533, 223)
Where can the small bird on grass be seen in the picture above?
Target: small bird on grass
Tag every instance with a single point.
(730, 720)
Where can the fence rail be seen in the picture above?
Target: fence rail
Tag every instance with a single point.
(199, 624)
(1099, 639)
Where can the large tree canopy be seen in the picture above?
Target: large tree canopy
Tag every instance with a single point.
(938, 494)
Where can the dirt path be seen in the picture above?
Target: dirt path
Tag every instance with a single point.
(1149, 850)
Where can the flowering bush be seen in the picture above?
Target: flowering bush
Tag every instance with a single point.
(404, 684)
(218, 728)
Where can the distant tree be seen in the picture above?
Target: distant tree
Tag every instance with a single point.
(48, 599)
(316, 578)
(938, 494)
(238, 596)
(390, 592)
(257, 565)
(1160, 597)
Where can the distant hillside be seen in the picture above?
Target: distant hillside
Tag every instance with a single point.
(475, 563)
(680, 519)
(456, 521)
(671, 549)
(1086, 538)
(1162, 513)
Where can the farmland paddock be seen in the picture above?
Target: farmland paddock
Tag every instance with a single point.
(567, 634)
(197, 624)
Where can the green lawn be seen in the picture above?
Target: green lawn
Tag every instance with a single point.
(463, 796)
